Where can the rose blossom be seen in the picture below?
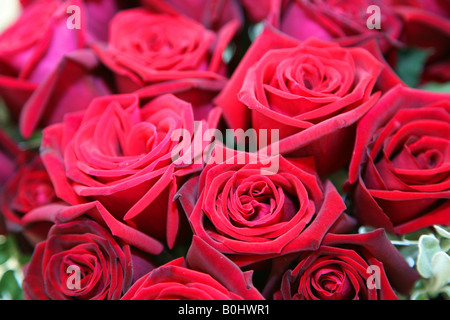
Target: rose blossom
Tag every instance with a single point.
(30, 187)
(87, 239)
(250, 216)
(32, 47)
(400, 169)
(427, 26)
(312, 92)
(119, 153)
(345, 267)
(9, 154)
(76, 80)
(155, 53)
(205, 274)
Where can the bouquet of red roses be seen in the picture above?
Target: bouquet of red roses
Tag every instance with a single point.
(225, 150)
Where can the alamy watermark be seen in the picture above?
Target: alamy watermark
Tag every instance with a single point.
(374, 20)
(73, 281)
(374, 280)
(74, 21)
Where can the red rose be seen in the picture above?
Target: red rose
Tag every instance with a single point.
(120, 153)
(87, 255)
(250, 216)
(312, 92)
(32, 47)
(427, 26)
(198, 277)
(162, 53)
(30, 187)
(345, 267)
(400, 168)
(341, 20)
(77, 79)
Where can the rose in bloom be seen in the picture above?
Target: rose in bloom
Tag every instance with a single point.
(30, 187)
(312, 92)
(250, 216)
(268, 10)
(341, 20)
(400, 167)
(119, 152)
(345, 267)
(88, 255)
(32, 47)
(158, 53)
(205, 274)
(412, 23)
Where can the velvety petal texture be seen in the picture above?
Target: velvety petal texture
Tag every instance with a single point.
(199, 276)
(312, 93)
(250, 216)
(341, 19)
(87, 255)
(155, 53)
(31, 48)
(77, 79)
(345, 267)
(121, 154)
(29, 188)
(400, 166)
(212, 14)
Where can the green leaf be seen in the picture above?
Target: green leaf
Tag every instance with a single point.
(443, 231)
(440, 266)
(255, 30)
(437, 87)
(428, 246)
(4, 254)
(410, 65)
(9, 287)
